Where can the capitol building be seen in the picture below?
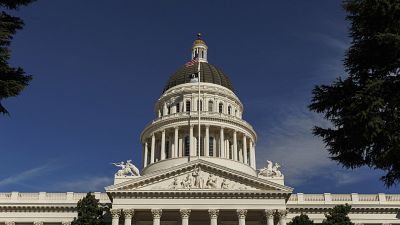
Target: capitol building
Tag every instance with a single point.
(199, 167)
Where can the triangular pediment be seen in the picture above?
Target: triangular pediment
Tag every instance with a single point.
(198, 175)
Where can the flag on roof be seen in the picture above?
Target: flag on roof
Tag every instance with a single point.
(192, 62)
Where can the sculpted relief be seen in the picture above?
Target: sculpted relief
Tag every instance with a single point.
(198, 179)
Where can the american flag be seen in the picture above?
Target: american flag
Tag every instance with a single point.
(191, 62)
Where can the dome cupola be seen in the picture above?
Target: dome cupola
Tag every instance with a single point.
(199, 49)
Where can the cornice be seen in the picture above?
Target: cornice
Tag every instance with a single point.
(354, 209)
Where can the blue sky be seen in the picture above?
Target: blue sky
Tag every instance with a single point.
(99, 67)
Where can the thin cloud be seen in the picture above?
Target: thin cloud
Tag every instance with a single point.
(335, 43)
(291, 143)
(25, 175)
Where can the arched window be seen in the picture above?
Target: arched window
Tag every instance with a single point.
(211, 146)
(178, 109)
(187, 106)
(187, 146)
(229, 110)
(210, 106)
(220, 107)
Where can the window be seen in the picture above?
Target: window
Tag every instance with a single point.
(187, 146)
(229, 110)
(199, 105)
(177, 107)
(211, 146)
(187, 106)
(169, 110)
(220, 107)
(210, 106)
(167, 149)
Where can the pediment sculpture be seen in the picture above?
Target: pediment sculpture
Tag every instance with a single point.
(127, 169)
(271, 170)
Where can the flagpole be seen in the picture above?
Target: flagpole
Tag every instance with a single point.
(198, 109)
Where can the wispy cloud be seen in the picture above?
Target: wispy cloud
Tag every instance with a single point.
(26, 175)
(85, 184)
(290, 142)
(335, 43)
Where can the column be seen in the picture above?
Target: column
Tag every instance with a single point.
(207, 142)
(153, 147)
(146, 151)
(242, 216)
(128, 214)
(163, 145)
(234, 146)
(222, 143)
(38, 223)
(185, 213)
(156, 216)
(269, 216)
(191, 140)
(213, 216)
(252, 159)
(282, 216)
(244, 149)
(176, 147)
(115, 213)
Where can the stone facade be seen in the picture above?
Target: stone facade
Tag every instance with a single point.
(199, 167)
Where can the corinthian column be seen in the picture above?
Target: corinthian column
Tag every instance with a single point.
(163, 145)
(185, 213)
(156, 216)
(38, 223)
(244, 149)
(213, 216)
(234, 146)
(10, 223)
(176, 144)
(153, 146)
(146, 152)
(282, 217)
(128, 214)
(191, 141)
(66, 223)
(242, 216)
(115, 213)
(207, 141)
(269, 216)
(221, 143)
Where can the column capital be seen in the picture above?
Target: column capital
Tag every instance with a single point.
(213, 213)
(207, 125)
(128, 213)
(115, 213)
(176, 127)
(157, 213)
(10, 222)
(282, 213)
(241, 213)
(185, 213)
(38, 223)
(191, 125)
(269, 213)
(66, 222)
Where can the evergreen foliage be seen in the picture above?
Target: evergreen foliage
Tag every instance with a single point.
(364, 107)
(12, 80)
(338, 216)
(89, 211)
(301, 220)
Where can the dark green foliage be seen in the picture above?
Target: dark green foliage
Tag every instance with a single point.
(12, 80)
(301, 220)
(364, 107)
(338, 216)
(89, 211)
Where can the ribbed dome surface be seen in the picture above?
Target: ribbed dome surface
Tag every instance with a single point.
(209, 74)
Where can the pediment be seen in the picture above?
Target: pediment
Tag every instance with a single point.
(198, 175)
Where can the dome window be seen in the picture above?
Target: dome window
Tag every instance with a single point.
(199, 105)
(178, 109)
(187, 146)
(187, 106)
(229, 110)
(220, 107)
(210, 106)
(211, 146)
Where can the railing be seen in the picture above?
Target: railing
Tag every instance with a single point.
(52, 197)
(353, 198)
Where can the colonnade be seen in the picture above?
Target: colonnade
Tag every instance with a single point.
(182, 141)
(268, 219)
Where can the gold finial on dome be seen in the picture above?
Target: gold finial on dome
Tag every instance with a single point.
(199, 49)
(198, 35)
(199, 40)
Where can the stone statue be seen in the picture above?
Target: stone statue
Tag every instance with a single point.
(187, 182)
(271, 170)
(175, 183)
(211, 182)
(198, 180)
(127, 169)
